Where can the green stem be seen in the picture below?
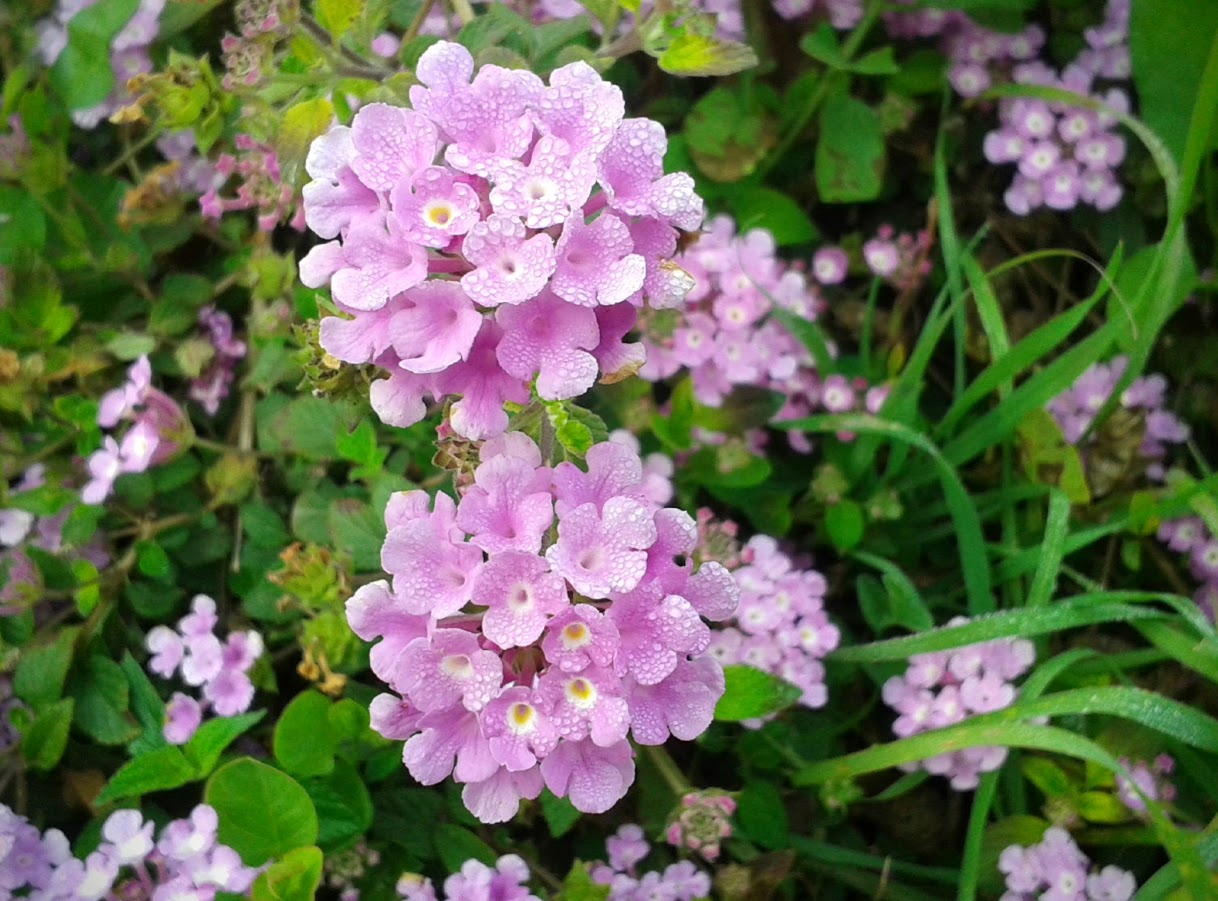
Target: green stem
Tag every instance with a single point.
(413, 31)
(668, 769)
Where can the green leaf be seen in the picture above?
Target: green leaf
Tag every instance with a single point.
(23, 226)
(129, 346)
(845, 523)
(101, 692)
(304, 744)
(41, 671)
(1102, 807)
(360, 446)
(45, 739)
(560, 814)
(152, 560)
(1169, 41)
(674, 430)
(1048, 459)
(161, 769)
(697, 54)
(1047, 776)
(337, 16)
(82, 75)
(208, 743)
(263, 812)
(752, 693)
(359, 530)
(822, 46)
(456, 844)
(146, 705)
(344, 807)
(579, 886)
(776, 212)
(762, 815)
(727, 133)
(294, 877)
(850, 151)
(301, 124)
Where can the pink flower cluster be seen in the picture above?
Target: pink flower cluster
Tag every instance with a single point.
(1191, 536)
(198, 656)
(1056, 869)
(1065, 154)
(507, 881)
(535, 621)
(159, 429)
(902, 260)
(128, 50)
(185, 863)
(1152, 779)
(946, 687)
(501, 230)
(842, 14)
(626, 849)
(725, 336)
(703, 820)
(1075, 409)
(780, 626)
(261, 187)
(212, 385)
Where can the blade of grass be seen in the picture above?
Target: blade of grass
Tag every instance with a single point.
(974, 563)
(1052, 549)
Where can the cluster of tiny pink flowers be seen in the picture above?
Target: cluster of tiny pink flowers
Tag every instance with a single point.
(1152, 779)
(506, 881)
(212, 385)
(218, 669)
(1057, 869)
(842, 14)
(261, 187)
(344, 868)
(128, 50)
(725, 336)
(1075, 408)
(196, 174)
(1191, 536)
(1066, 154)
(703, 820)
(517, 662)
(158, 428)
(186, 862)
(474, 253)
(626, 849)
(780, 625)
(946, 687)
(248, 55)
(19, 530)
(902, 260)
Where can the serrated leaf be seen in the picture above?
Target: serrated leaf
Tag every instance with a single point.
(560, 814)
(301, 124)
(456, 844)
(82, 75)
(157, 770)
(752, 694)
(44, 740)
(773, 211)
(101, 692)
(208, 743)
(293, 877)
(697, 54)
(42, 671)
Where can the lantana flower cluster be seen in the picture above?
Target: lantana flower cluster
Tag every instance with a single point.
(701, 822)
(158, 430)
(725, 336)
(502, 230)
(1152, 779)
(218, 669)
(1056, 868)
(475, 881)
(186, 861)
(1075, 410)
(780, 626)
(535, 621)
(681, 881)
(900, 259)
(260, 187)
(212, 385)
(946, 687)
(129, 54)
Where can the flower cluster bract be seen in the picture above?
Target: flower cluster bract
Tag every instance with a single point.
(186, 862)
(1056, 868)
(946, 687)
(502, 229)
(523, 659)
